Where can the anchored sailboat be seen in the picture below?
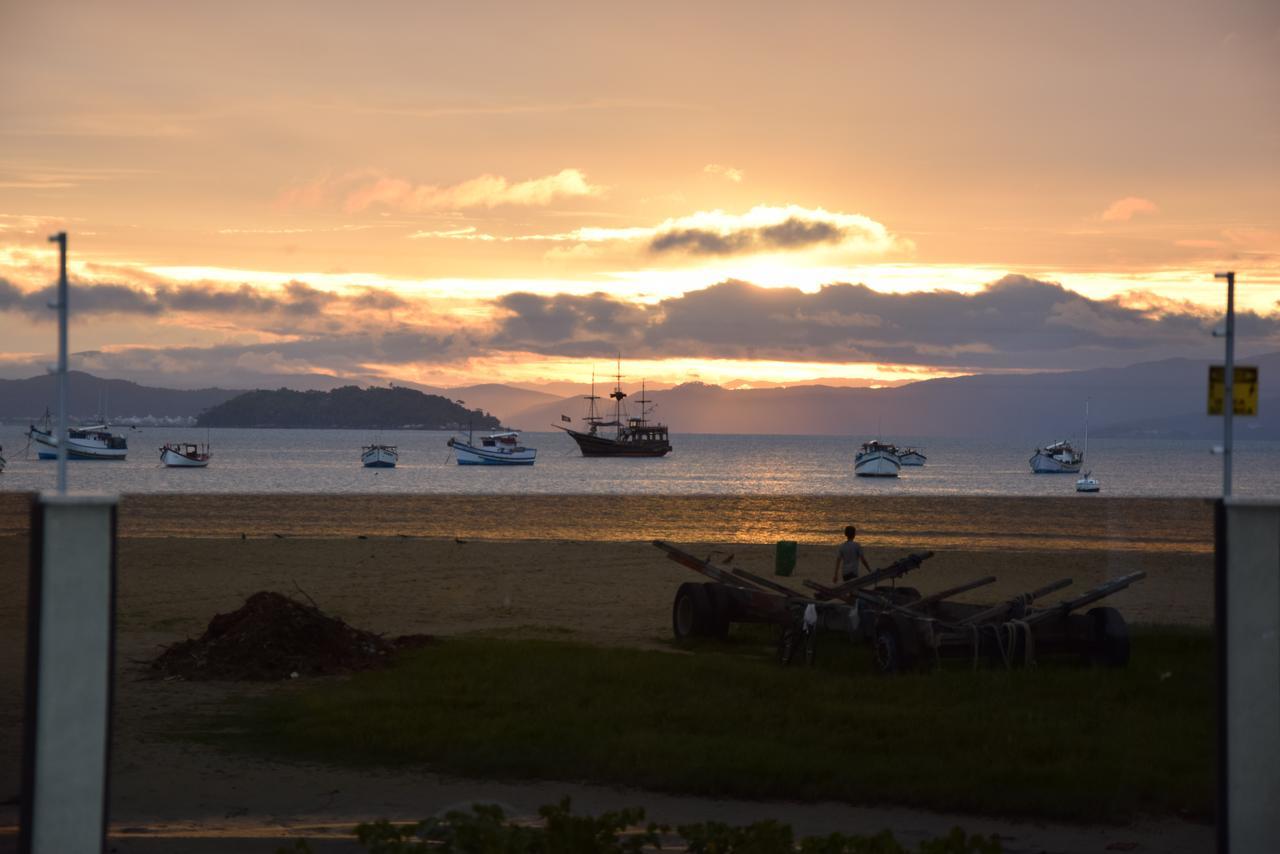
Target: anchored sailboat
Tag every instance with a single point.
(1087, 483)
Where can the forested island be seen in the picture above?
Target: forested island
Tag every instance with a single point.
(349, 407)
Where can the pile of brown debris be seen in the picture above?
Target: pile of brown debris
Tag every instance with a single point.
(274, 637)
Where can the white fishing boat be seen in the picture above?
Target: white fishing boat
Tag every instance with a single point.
(379, 456)
(911, 457)
(185, 455)
(1058, 458)
(92, 442)
(876, 459)
(495, 449)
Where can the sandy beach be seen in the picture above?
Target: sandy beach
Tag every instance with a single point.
(603, 589)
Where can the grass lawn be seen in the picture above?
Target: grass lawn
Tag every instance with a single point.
(724, 719)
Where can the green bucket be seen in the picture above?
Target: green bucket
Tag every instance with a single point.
(784, 557)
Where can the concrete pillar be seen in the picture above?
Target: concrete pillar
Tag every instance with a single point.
(70, 657)
(1248, 635)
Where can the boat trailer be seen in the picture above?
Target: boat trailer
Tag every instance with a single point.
(905, 630)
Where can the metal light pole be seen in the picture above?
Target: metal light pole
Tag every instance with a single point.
(61, 239)
(1228, 379)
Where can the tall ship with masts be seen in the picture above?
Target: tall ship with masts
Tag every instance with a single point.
(630, 436)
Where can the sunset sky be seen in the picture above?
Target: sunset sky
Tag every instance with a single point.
(503, 192)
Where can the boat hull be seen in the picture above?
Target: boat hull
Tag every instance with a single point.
(876, 464)
(601, 446)
(174, 460)
(1088, 483)
(1046, 464)
(469, 455)
(379, 458)
(912, 459)
(77, 449)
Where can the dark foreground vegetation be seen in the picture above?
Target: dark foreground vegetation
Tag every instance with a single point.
(486, 830)
(723, 719)
(348, 407)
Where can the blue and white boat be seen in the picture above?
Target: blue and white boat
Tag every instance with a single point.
(876, 459)
(379, 456)
(911, 457)
(496, 449)
(1058, 458)
(94, 442)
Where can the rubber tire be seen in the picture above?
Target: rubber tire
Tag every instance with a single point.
(687, 611)
(887, 648)
(1109, 644)
(717, 610)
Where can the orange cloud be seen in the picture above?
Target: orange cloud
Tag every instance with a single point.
(359, 191)
(1123, 210)
(727, 172)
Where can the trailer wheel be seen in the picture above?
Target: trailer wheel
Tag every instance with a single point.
(717, 623)
(891, 655)
(1110, 637)
(688, 611)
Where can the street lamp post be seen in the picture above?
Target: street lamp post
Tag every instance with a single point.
(61, 239)
(1228, 379)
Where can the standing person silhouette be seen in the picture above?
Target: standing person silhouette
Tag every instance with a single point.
(848, 556)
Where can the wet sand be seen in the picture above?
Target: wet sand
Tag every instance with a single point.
(604, 589)
(1075, 522)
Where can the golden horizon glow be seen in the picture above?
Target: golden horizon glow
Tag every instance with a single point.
(525, 368)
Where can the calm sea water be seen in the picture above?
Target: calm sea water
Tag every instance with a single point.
(328, 461)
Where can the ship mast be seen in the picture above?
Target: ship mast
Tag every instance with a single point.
(592, 418)
(618, 394)
(644, 406)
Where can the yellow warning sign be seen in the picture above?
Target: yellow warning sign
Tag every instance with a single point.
(1245, 391)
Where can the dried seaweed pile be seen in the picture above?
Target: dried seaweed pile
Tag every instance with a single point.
(274, 637)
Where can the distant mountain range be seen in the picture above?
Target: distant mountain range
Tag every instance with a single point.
(1164, 399)
(90, 397)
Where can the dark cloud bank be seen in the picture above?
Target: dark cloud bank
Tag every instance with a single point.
(298, 300)
(1017, 323)
(792, 233)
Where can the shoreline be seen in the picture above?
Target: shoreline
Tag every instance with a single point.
(1096, 524)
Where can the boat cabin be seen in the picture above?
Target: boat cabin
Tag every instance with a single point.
(501, 440)
(97, 434)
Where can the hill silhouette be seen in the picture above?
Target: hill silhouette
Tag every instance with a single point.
(349, 407)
